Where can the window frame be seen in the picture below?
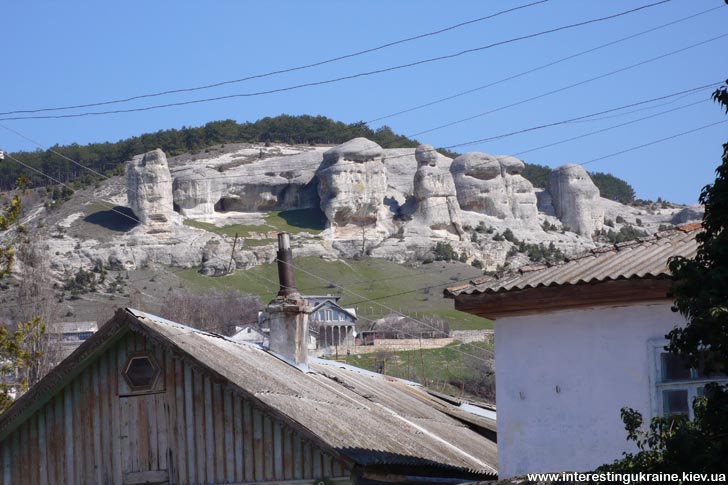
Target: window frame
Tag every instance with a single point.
(144, 389)
(658, 384)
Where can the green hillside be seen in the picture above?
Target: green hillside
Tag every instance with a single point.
(415, 292)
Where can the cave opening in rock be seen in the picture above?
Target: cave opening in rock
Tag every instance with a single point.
(227, 204)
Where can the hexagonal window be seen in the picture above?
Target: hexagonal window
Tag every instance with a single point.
(141, 372)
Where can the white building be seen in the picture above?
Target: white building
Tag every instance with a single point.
(69, 336)
(574, 344)
(250, 334)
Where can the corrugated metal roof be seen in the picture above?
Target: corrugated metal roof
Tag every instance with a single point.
(370, 418)
(643, 258)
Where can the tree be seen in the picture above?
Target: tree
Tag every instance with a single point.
(700, 292)
(9, 213)
(21, 348)
(215, 312)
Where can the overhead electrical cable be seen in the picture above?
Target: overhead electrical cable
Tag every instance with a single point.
(316, 165)
(282, 71)
(543, 66)
(338, 79)
(570, 86)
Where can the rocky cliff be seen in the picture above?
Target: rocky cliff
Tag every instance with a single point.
(576, 200)
(397, 204)
(149, 190)
(494, 186)
(352, 183)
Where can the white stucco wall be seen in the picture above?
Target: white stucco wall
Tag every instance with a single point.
(599, 359)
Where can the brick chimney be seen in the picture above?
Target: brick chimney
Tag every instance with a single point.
(287, 314)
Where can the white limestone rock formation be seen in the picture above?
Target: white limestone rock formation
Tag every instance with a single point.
(149, 189)
(494, 186)
(352, 183)
(435, 195)
(278, 183)
(576, 200)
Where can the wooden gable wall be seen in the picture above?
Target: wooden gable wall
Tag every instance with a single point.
(191, 428)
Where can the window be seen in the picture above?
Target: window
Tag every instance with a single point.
(140, 372)
(676, 385)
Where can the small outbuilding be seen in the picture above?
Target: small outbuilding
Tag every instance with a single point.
(147, 400)
(576, 342)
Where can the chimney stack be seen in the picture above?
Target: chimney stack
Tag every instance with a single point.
(287, 314)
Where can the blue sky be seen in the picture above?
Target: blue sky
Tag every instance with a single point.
(64, 53)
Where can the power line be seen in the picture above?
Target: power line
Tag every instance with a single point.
(376, 303)
(342, 78)
(110, 206)
(282, 71)
(314, 166)
(591, 161)
(543, 66)
(52, 151)
(564, 88)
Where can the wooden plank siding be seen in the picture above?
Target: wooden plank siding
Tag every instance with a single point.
(190, 428)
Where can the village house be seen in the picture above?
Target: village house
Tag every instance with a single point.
(250, 334)
(67, 336)
(574, 343)
(147, 400)
(335, 326)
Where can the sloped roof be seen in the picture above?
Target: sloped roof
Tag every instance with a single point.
(364, 417)
(643, 258)
(349, 311)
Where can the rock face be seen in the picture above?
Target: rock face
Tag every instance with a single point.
(576, 199)
(691, 213)
(271, 184)
(494, 186)
(352, 183)
(435, 195)
(149, 189)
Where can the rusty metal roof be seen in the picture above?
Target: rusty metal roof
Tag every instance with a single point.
(370, 418)
(643, 258)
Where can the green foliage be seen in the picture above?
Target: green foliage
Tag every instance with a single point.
(9, 214)
(701, 288)
(81, 282)
(700, 292)
(477, 264)
(547, 226)
(108, 158)
(445, 252)
(509, 236)
(609, 186)
(537, 174)
(18, 354)
(537, 253)
(613, 188)
(675, 444)
(625, 233)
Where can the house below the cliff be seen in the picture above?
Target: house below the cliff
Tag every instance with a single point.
(575, 343)
(334, 325)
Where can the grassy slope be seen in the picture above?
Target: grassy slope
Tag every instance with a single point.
(369, 278)
(312, 221)
(457, 362)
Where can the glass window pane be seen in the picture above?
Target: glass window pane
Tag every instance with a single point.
(673, 367)
(713, 362)
(675, 402)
